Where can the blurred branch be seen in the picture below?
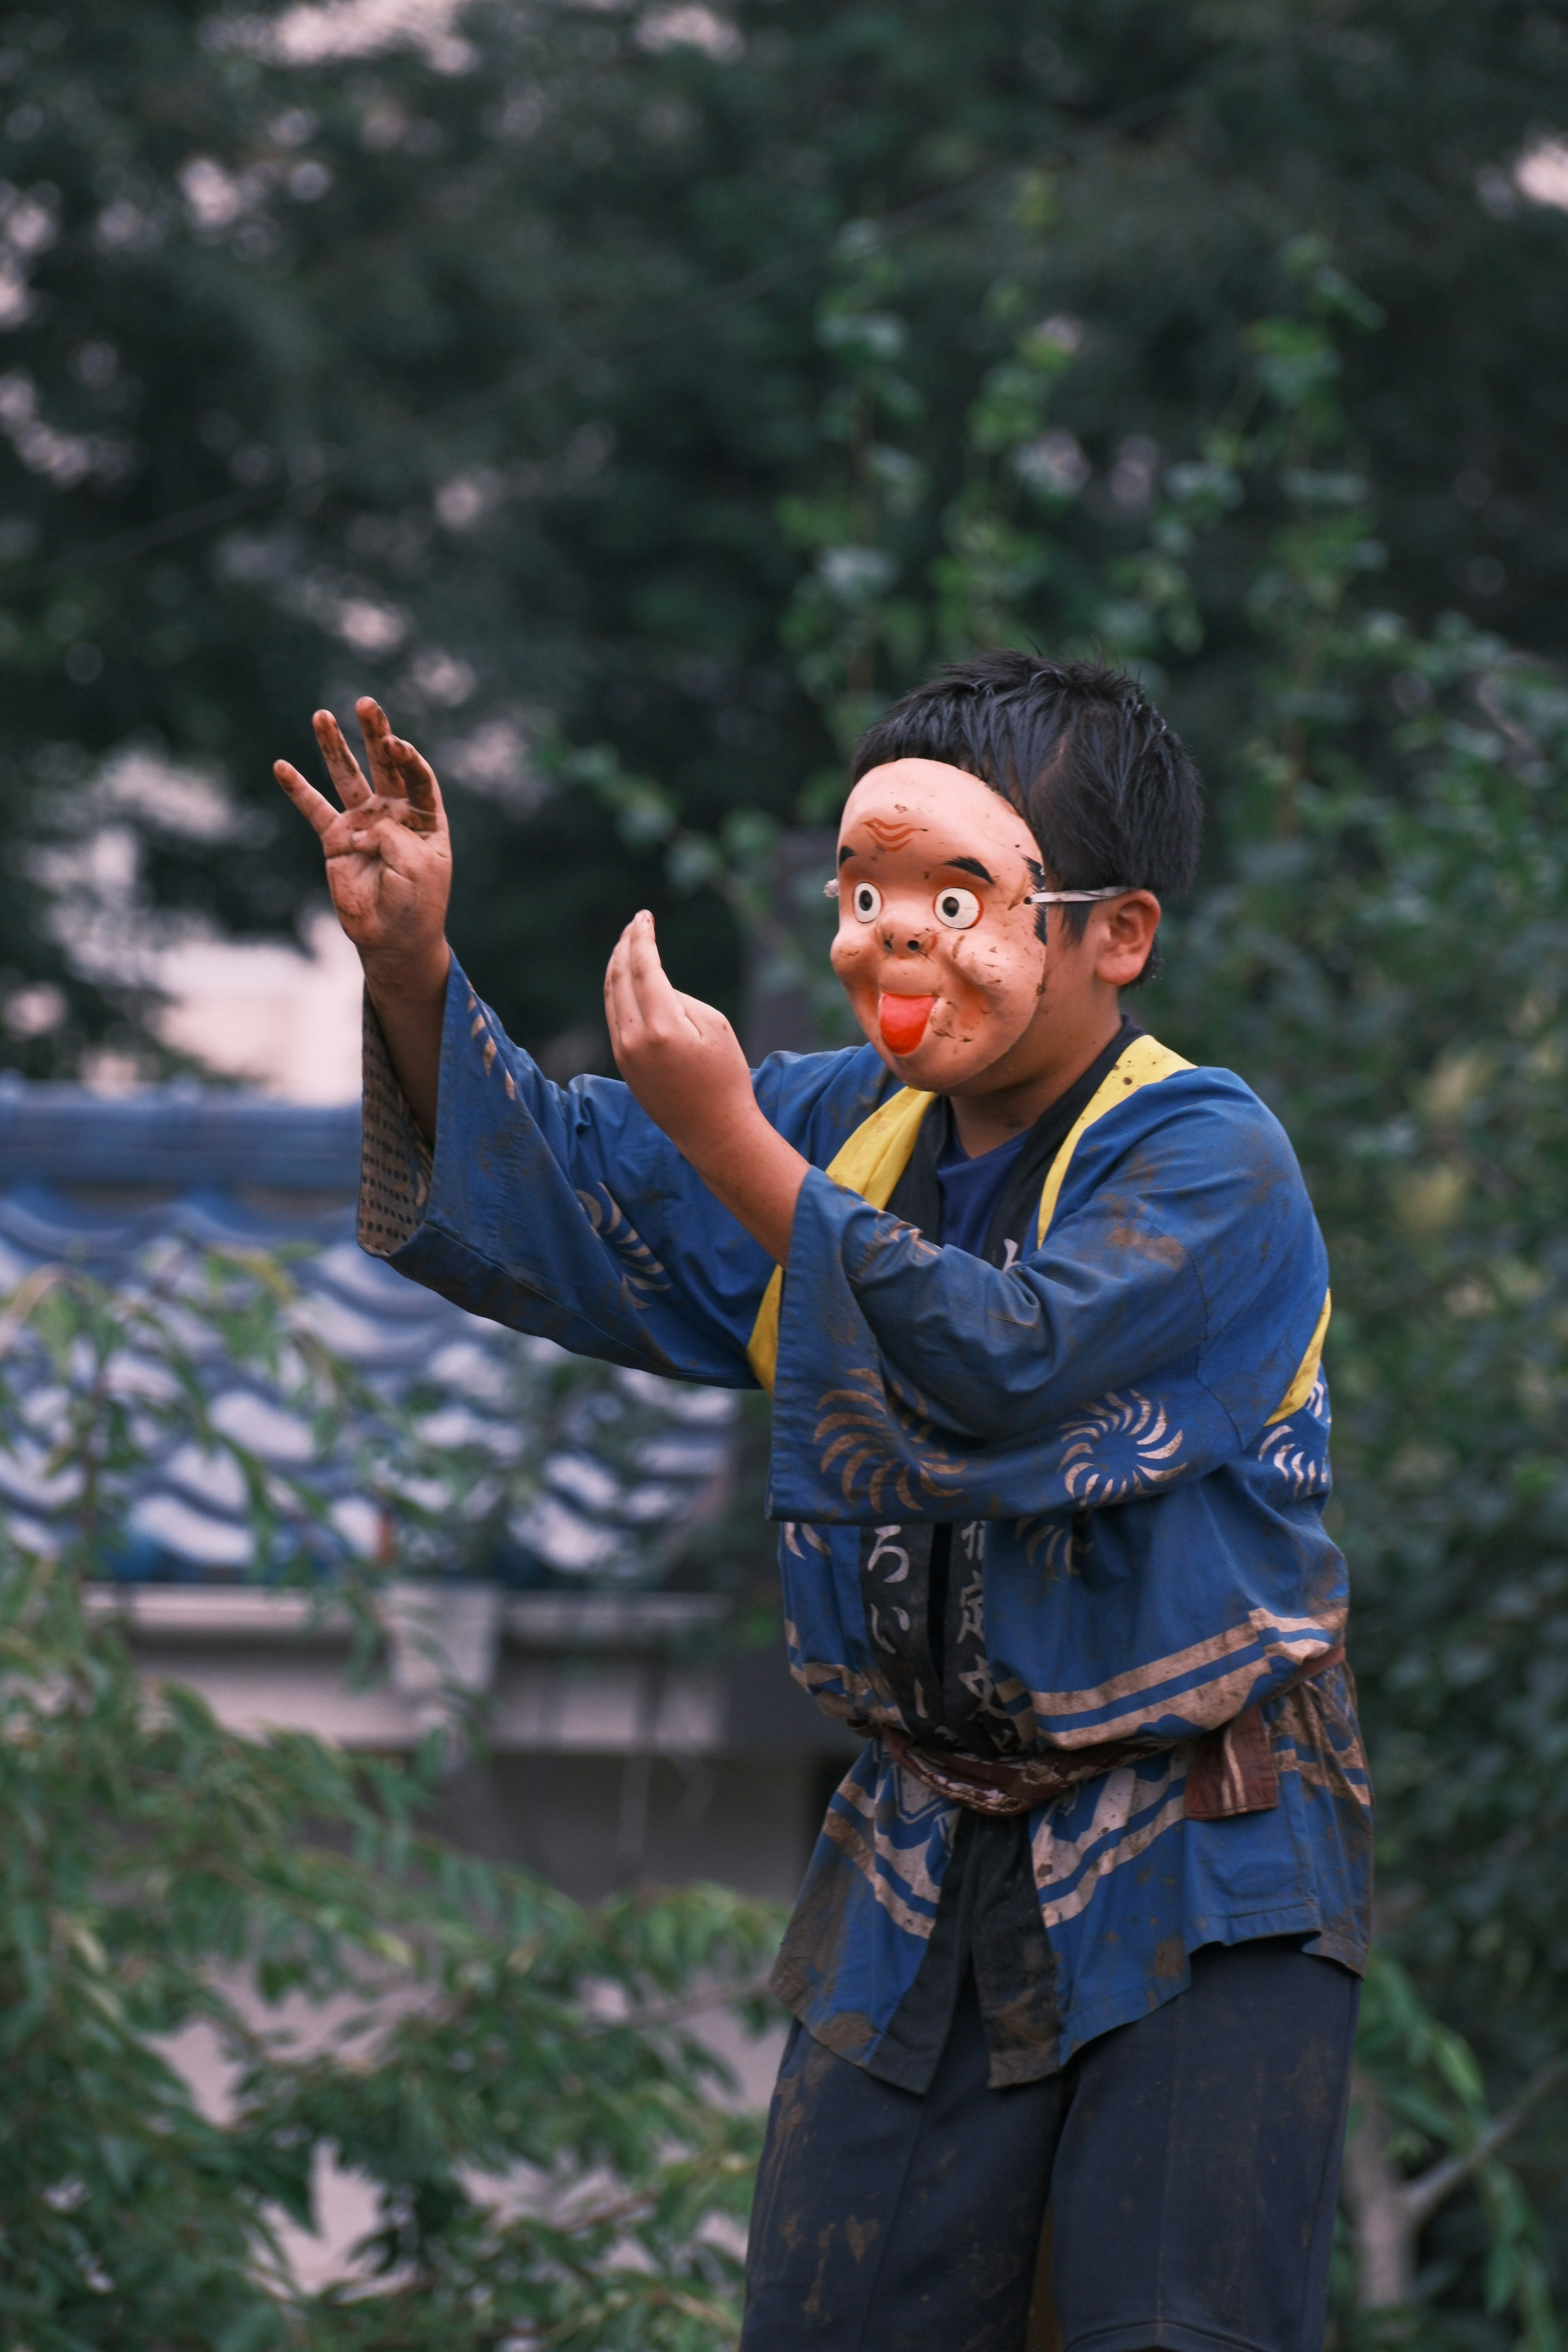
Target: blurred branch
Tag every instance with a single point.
(1389, 2212)
(1422, 2196)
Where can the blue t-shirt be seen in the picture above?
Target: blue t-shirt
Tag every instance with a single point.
(969, 1190)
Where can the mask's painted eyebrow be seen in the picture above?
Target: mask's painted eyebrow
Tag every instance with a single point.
(970, 865)
(844, 855)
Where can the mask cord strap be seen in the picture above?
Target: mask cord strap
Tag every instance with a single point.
(1039, 897)
(1066, 897)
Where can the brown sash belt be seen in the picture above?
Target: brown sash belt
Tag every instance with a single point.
(1232, 1770)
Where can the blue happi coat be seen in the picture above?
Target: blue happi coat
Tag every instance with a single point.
(1127, 1429)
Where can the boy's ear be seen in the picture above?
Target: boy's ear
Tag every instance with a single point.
(1129, 925)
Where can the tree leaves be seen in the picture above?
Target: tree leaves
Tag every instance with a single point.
(514, 2076)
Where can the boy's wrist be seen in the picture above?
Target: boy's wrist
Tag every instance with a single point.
(403, 974)
(408, 993)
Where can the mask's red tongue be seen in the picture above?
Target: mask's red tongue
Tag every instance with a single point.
(902, 1020)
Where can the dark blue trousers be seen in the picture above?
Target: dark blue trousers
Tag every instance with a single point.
(1189, 2163)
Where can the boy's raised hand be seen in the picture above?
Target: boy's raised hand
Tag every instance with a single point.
(684, 1064)
(389, 869)
(388, 850)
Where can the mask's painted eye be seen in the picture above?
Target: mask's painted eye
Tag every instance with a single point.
(867, 901)
(957, 910)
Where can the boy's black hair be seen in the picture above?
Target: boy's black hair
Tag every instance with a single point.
(1110, 794)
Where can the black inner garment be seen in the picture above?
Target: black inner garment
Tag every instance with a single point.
(1010, 1235)
(988, 1918)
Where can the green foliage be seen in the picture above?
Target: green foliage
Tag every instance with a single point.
(1030, 335)
(1383, 958)
(1428, 2086)
(536, 375)
(843, 623)
(1388, 965)
(548, 2147)
(1385, 962)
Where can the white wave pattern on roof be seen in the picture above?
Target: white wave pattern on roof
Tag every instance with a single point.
(582, 1474)
(197, 1539)
(583, 1480)
(212, 1480)
(566, 1539)
(263, 1427)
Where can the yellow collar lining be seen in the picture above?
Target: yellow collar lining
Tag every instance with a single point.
(878, 1153)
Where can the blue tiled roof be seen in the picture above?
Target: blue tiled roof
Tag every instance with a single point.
(109, 1183)
(195, 1139)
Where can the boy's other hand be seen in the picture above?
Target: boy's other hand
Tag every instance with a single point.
(683, 1062)
(387, 849)
(680, 1058)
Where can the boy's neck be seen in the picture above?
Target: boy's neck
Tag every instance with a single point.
(1002, 1105)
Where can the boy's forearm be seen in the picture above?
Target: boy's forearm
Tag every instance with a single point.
(756, 1175)
(409, 996)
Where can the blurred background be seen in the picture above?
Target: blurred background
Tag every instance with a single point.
(593, 376)
(635, 398)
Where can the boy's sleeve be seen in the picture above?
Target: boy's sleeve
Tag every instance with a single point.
(566, 1212)
(1151, 1339)
(557, 1209)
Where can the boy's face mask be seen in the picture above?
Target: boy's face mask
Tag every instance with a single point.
(938, 945)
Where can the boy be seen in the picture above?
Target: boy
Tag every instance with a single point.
(1041, 1307)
